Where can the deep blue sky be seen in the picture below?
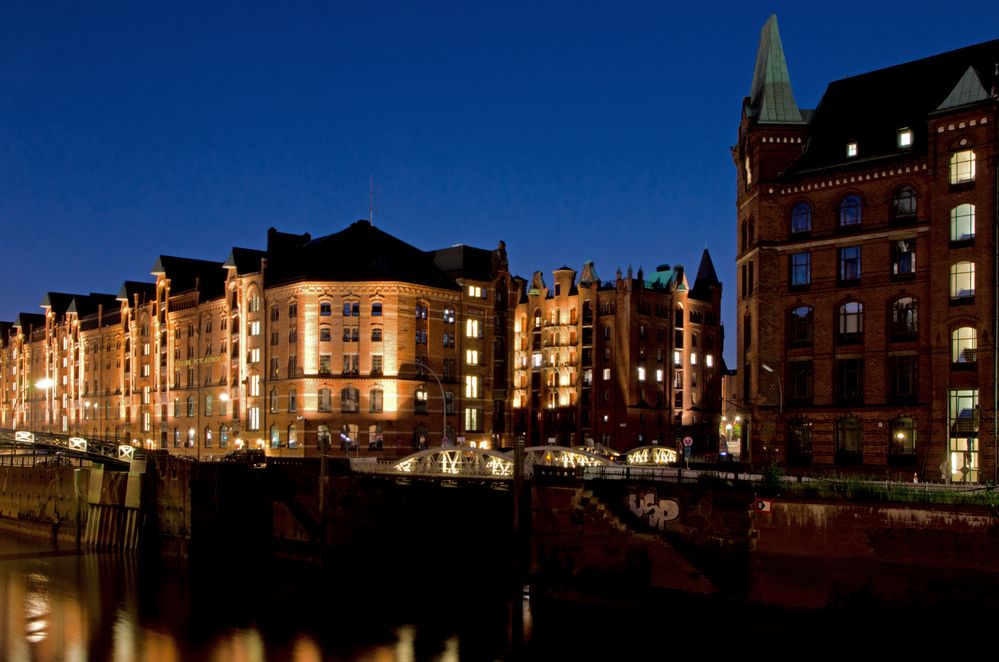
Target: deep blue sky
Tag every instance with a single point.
(573, 131)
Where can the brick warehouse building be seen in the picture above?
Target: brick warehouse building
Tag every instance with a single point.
(867, 268)
(622, 363)
(355, 340)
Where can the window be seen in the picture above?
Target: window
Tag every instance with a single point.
(693, 358)
(350, 399)
(325, 364)
(964, 423)
(964, 346)
(801, 218)
(903, 318)
(376, 309)
(801, 269)
(962, 223)
(351, 364)
(800, 326)
(325, 400)
(293, 365)
(677, 358)
(254, 385)
(376, 400)
(476, 292)
(255, 328)
(275, 314)
(903, 205)
(190, 406)
(799, 389)
(325, 309)
(376, 364)
(471, 386)
(254, 355)
(851, 321)
(849, 380)
(275, 436)
(903, 257)
(292, 311)
(849, 264)
(209, 405)
(254, 418)
(292, 400)
(473, 329)
(325, 335)
(902, 443)
(962, 167)
(420, 398)
(472, 357)
(902, 378)
(292, 436)
(449, 315)
(641, 373)
(422, 310)
(273, 399)
(254, 304)
(904, 138)
(421, 336)
(447, 339)
(606, 374)
(799, 441)
(848, 440)
(962, 280)
(851, 150)
(850, 211)
(473, 419)
(376, 334)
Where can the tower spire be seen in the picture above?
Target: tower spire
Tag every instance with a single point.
(770, 98)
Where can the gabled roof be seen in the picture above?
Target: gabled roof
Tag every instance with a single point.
(770, 98)
(58, 302)
(465, 262)
(90, 304)
(244, 260)
(27, 321)
(871, 108)
(361, 252)
(187, 274)
(131, 288)
(706, 279)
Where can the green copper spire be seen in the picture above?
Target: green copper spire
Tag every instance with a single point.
(968, 90)
(771, 99)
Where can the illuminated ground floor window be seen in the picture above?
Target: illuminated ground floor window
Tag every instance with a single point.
(963, 415)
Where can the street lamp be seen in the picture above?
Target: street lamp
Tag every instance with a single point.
(444, 439)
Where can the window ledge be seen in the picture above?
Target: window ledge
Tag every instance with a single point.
(962, 301)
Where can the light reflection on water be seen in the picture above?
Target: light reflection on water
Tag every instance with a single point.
(59, 605)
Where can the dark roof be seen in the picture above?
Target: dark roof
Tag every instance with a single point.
(5, 328)
(130, 288)
(27, 321)
(706, 278)
(361, 252)
(59, 302)
(465, 262)
(91, 304)
(870, 109)
(188, 274)
(245, 260)
(279, 242)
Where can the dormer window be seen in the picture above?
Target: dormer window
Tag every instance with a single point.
(904, 138)
(851, 150)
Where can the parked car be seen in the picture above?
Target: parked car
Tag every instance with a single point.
(252, 456)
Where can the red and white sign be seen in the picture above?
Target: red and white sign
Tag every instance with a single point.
(688, 442)
(764, 505)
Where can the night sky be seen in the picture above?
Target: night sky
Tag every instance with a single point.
(573, 131)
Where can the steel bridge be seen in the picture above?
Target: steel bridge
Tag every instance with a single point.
(47, 447)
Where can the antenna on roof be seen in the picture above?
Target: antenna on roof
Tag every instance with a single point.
(371, 199)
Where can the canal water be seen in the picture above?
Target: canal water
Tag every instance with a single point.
(57, 604)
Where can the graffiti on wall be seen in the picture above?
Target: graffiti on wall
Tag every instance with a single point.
(656, 512)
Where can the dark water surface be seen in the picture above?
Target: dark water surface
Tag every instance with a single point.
(56, 604)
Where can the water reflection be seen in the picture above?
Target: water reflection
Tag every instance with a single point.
(59, 605)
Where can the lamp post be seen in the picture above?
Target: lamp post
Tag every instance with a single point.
(444, 438)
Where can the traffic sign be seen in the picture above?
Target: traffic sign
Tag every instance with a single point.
(688, 442)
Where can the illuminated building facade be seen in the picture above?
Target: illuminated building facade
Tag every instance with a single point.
(623, 363)
(867, 268)
(355, 341)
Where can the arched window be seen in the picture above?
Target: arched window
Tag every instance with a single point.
(191, 436)
(848, 446)
(962, 280)
(292, 400)
(964, 346)
(323, 437)
(223, 436)
(903, 318)
(850, 321)
(801, 218)
(903, 205)
(537, 319)
(350, 399)
(292, 436)
(850, 211)
(208, 437)
(962, 222)
(275, 436)
(273, 398)
(324, 400)
(800, 323)
(375, 398)
(190, 406)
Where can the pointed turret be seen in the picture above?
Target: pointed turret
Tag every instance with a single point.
(707, 278)
(771, 99)
(968, 90)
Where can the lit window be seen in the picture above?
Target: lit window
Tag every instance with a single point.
(472, 357)
(606, 374)
(476, 292)
(850, 211)
(962, 222)
(677, 358)
(473, 329)
(473, 420)
(659, 375)
(964, 345)
(641, 374)
(851, 149)
(254, 418)
(255, 355)
(255, 328)
(536, 359)
(962, 280)
(851, 319)
(709, 360)
(693, 358)
(471, 386)
(449, 315)
(904, 138)
(962, 167)
(254, 385)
